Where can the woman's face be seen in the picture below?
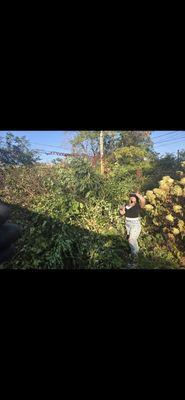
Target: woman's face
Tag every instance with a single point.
(133, 200)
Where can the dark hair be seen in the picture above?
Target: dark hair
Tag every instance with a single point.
(134, 195)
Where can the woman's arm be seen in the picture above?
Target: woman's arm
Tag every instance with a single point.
(142, 200)
(122, 210)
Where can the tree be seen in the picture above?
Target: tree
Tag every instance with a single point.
(88, 141)
(58, 160)
(135, 138)
(181, 155)
(16, 151)
(129, 155)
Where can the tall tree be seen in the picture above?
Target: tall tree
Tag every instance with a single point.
(135, 138)
(88, 141)
(16, 151)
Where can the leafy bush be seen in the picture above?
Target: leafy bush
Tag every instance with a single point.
(166, 213)
(22, 183)
(70, 219)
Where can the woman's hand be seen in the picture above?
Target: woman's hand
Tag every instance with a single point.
(122, 210)
(141, 198)
(139, 195)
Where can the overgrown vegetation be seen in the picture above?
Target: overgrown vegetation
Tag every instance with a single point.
(69, 212)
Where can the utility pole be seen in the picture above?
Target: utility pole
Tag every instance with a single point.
(178, 156)
(101, 153)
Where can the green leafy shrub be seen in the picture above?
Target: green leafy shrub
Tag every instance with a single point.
(70, 219)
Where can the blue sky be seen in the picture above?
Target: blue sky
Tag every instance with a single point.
(60, 138)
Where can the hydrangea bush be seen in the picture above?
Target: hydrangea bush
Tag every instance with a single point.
(165, 210)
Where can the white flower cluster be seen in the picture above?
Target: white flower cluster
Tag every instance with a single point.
(181, 225)
(170, 218)
(160, 193)
(149, 207)
(151, 197)
(175, 231)
(180, 173)
(176, 190)
(167, 180)
(177, 208)
(182, 181)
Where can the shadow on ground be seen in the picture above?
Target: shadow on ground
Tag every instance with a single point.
(47, 243)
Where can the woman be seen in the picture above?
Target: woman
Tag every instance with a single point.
(133, 225)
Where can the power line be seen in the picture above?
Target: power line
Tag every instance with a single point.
(168, 138)
(164, 144)
(42, 144)
(112, 133)
(166, 134)
(65, 145)
(49, 145)
(170, 141)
